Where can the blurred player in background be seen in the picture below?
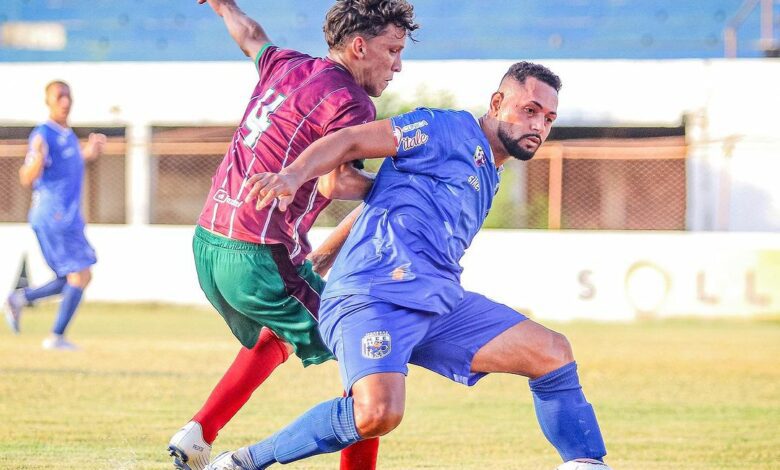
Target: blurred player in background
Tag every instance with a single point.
(394, 295)
(54, 168)
(252, 264)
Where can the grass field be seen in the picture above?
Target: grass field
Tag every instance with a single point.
(673, 394)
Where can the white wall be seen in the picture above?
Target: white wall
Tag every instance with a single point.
(552, 275)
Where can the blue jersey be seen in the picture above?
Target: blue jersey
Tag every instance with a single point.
(427, 204)
(56, 198)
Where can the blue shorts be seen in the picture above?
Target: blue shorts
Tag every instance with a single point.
(65, 251)
(369, 336)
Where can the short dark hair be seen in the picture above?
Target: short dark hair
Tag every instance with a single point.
(366, 17)
(522, 70)
(55, 82)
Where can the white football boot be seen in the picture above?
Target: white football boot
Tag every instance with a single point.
(59, 343)
(13, 309)
(224, 461)
(583, 464)
(188, 449)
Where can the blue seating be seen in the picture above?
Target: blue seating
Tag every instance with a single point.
(159, 30)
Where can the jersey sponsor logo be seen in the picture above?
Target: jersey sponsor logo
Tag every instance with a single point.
(222, 196)
(68, 152)
(419, 138)
(414, 125)
(474, 182)
(479, 156)
(398, 134)
(376, 344)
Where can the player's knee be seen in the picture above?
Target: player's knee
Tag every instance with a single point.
(86, 278)
(376, 418)
(80, 279)
(560, 352)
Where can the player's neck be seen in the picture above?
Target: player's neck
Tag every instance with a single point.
(59, 121)
(335, 56)
(489, 128)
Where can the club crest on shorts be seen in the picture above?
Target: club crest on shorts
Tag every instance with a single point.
(376, 344)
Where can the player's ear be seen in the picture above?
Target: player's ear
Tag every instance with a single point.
(357, 46)
(496, 99)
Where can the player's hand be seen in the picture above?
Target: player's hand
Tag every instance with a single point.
(215, 4)
(269, 186)
(321, 261)
(97, 141)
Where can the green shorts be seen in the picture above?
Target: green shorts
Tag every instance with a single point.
(253, 286)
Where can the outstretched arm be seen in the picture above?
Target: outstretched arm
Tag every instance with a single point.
(371, 140)
(247, 33)
(33, 162)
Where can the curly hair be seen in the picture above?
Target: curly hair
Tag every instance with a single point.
(366, 17)
(522, 70)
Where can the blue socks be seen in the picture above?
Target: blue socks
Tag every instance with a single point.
(328, 427)
(47, 290)
(71, 297)
(566, 418)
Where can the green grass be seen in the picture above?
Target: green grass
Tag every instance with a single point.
(682, 394)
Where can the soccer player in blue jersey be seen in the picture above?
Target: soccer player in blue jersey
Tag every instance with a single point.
(54, 168)
(394, 295)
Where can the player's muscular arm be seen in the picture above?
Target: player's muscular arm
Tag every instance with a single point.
(33, 163)
(346, 182)
(247, 33)
(370, 140)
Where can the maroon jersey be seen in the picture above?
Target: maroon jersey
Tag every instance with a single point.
(297, 100)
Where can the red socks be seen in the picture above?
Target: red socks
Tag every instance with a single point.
(360, 455)
(250, 369)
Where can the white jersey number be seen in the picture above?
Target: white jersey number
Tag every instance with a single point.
(258, 120)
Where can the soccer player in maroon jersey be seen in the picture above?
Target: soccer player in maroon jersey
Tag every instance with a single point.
(252, 264)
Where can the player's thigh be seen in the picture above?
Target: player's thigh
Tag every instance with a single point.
(52, 246)
(527, 349)
(254, 286)
(80, 257)
(454, 338)
(369, 336)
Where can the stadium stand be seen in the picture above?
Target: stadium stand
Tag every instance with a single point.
(146, 30)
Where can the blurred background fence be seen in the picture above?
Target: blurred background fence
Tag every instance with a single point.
(595, 183)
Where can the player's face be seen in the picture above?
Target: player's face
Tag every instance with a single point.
(526, 115)
(58, 100)
(382, 59)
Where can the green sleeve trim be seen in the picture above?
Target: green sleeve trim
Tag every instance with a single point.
(260, 54)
